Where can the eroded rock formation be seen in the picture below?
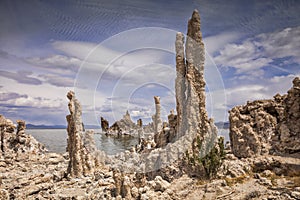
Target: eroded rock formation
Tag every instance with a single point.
(196, 134)
(7, 128)
(262, 126)
(289, 126)
(21, 136)
(75, 142)
(15, 144)
(192, 116)
(81, 151)
(139, 123)
(156, 118)
(104, 125)
(168, 132)
(172, 119)
(160, 136)
(124, 126)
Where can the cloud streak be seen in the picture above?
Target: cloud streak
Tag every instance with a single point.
(58, 81)
(11, 95)
(21, 77)
(253, 54)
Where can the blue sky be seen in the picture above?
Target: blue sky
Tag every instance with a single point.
(118, 55)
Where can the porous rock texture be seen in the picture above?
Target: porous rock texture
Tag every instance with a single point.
(15, 144)
(190, 134)
(81, 147)
(156, 118)
(139, 123)
(252, 126)
(7, 128)
(267, 126)
(123, 126)
(104, 125)
(289, 127)
(168, 132)
(160, 135)
(172, 121)
(192, 116)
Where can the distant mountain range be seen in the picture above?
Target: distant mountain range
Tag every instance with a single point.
(32, 126)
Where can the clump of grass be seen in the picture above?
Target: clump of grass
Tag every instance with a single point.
(293, 178)
(240, 179)
(273, 178)
(201, 182)
(295, 181)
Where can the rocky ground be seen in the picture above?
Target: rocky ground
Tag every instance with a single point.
(43, 176)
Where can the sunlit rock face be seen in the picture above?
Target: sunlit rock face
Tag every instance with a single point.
(172, 120)
(156, 118)
(160, 137)
(192, 116)
(7, 129)
(17, 144)
(81, 147)
(267, 126)
(75, 143)
(252, 126)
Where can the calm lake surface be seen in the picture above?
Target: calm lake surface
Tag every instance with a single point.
(55, 140)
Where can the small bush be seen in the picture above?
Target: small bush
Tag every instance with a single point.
(233, 181)
(211, 162)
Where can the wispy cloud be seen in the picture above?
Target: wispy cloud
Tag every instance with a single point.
(21, 100)
(11, 95)
(285, 43)
(21, 77)
(59, 81)
(250, 56)
(214, 43)
(58, 64)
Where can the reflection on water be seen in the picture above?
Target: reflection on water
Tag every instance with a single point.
(55, 140)
(115, 145)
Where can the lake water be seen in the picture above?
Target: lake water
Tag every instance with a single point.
(55, 140)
